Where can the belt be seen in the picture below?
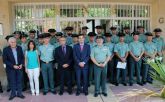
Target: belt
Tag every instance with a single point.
(137, 56)
(46, 62)
(101, 63)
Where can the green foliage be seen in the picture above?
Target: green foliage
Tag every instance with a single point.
(158, 74)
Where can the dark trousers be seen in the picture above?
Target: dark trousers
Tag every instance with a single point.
(25, 79)
(100, 77)
(111, 71)
(0, 86)
(135, 65)
(48, 76)
(146, 73)
(120, 71)
(56, 70)
(15, 78)
(8, 81)
(91, 72)
(84, 73)
(65, 74)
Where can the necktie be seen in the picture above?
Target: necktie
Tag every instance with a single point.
(63, 49)
(81, 47)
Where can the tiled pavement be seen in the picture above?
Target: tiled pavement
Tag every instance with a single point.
(115, 94)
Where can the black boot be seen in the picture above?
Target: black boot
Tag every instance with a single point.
(1, 91)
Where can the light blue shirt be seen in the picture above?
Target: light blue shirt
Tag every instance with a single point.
(86, 39)
(15, 55)
(150, 48)
(72, 44)
(69, 40)
(128, 38)
(100, 53)
(142, 38)
(160, 44)
(24, 47)
(136, 47)
(57, 44)
(110, 46)
(115, 39)
(46, 52)
(121, 49)
(92, 44)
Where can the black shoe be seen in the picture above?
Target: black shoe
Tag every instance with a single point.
(77, 93)
(21, 96)
(70, 92)
(24, 89)
(96, 95)
(113, 83)
(144, 82)
(11, 97)
(44, 93)
(8, 90)
(1, 91)
(150, 82)
(141, 84)
(86, 93)
(104, 94)
(130, 84)
(124, 84)
(117, 84)
(61, 93)
(54, 92)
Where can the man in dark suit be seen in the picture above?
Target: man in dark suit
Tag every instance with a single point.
(14, 59)
(64, 58)
(81, 54)
(1, 91)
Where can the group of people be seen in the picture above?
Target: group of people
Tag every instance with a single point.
(54, 58)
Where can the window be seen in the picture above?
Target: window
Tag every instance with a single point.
(59, 15)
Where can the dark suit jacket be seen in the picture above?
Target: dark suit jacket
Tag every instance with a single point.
(8, 57)
(62, 58)
(81, 56)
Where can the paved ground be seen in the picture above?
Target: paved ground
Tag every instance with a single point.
(115, 94)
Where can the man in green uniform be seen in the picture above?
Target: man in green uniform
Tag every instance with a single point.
(121, 50)
(32, 35)
(99, 30)
(110, 45)
(128, 38)
(53, 36)
(69, 31)
(84, 32)
(75, 39)
(40, 40)
(114, 38)
(47, 59)
(23, 38)
(136, 52)
(58, 35)
(160, 44)
(100, 56)
(92, 44)
(17, 35)
(150, 52)
(142, 36)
